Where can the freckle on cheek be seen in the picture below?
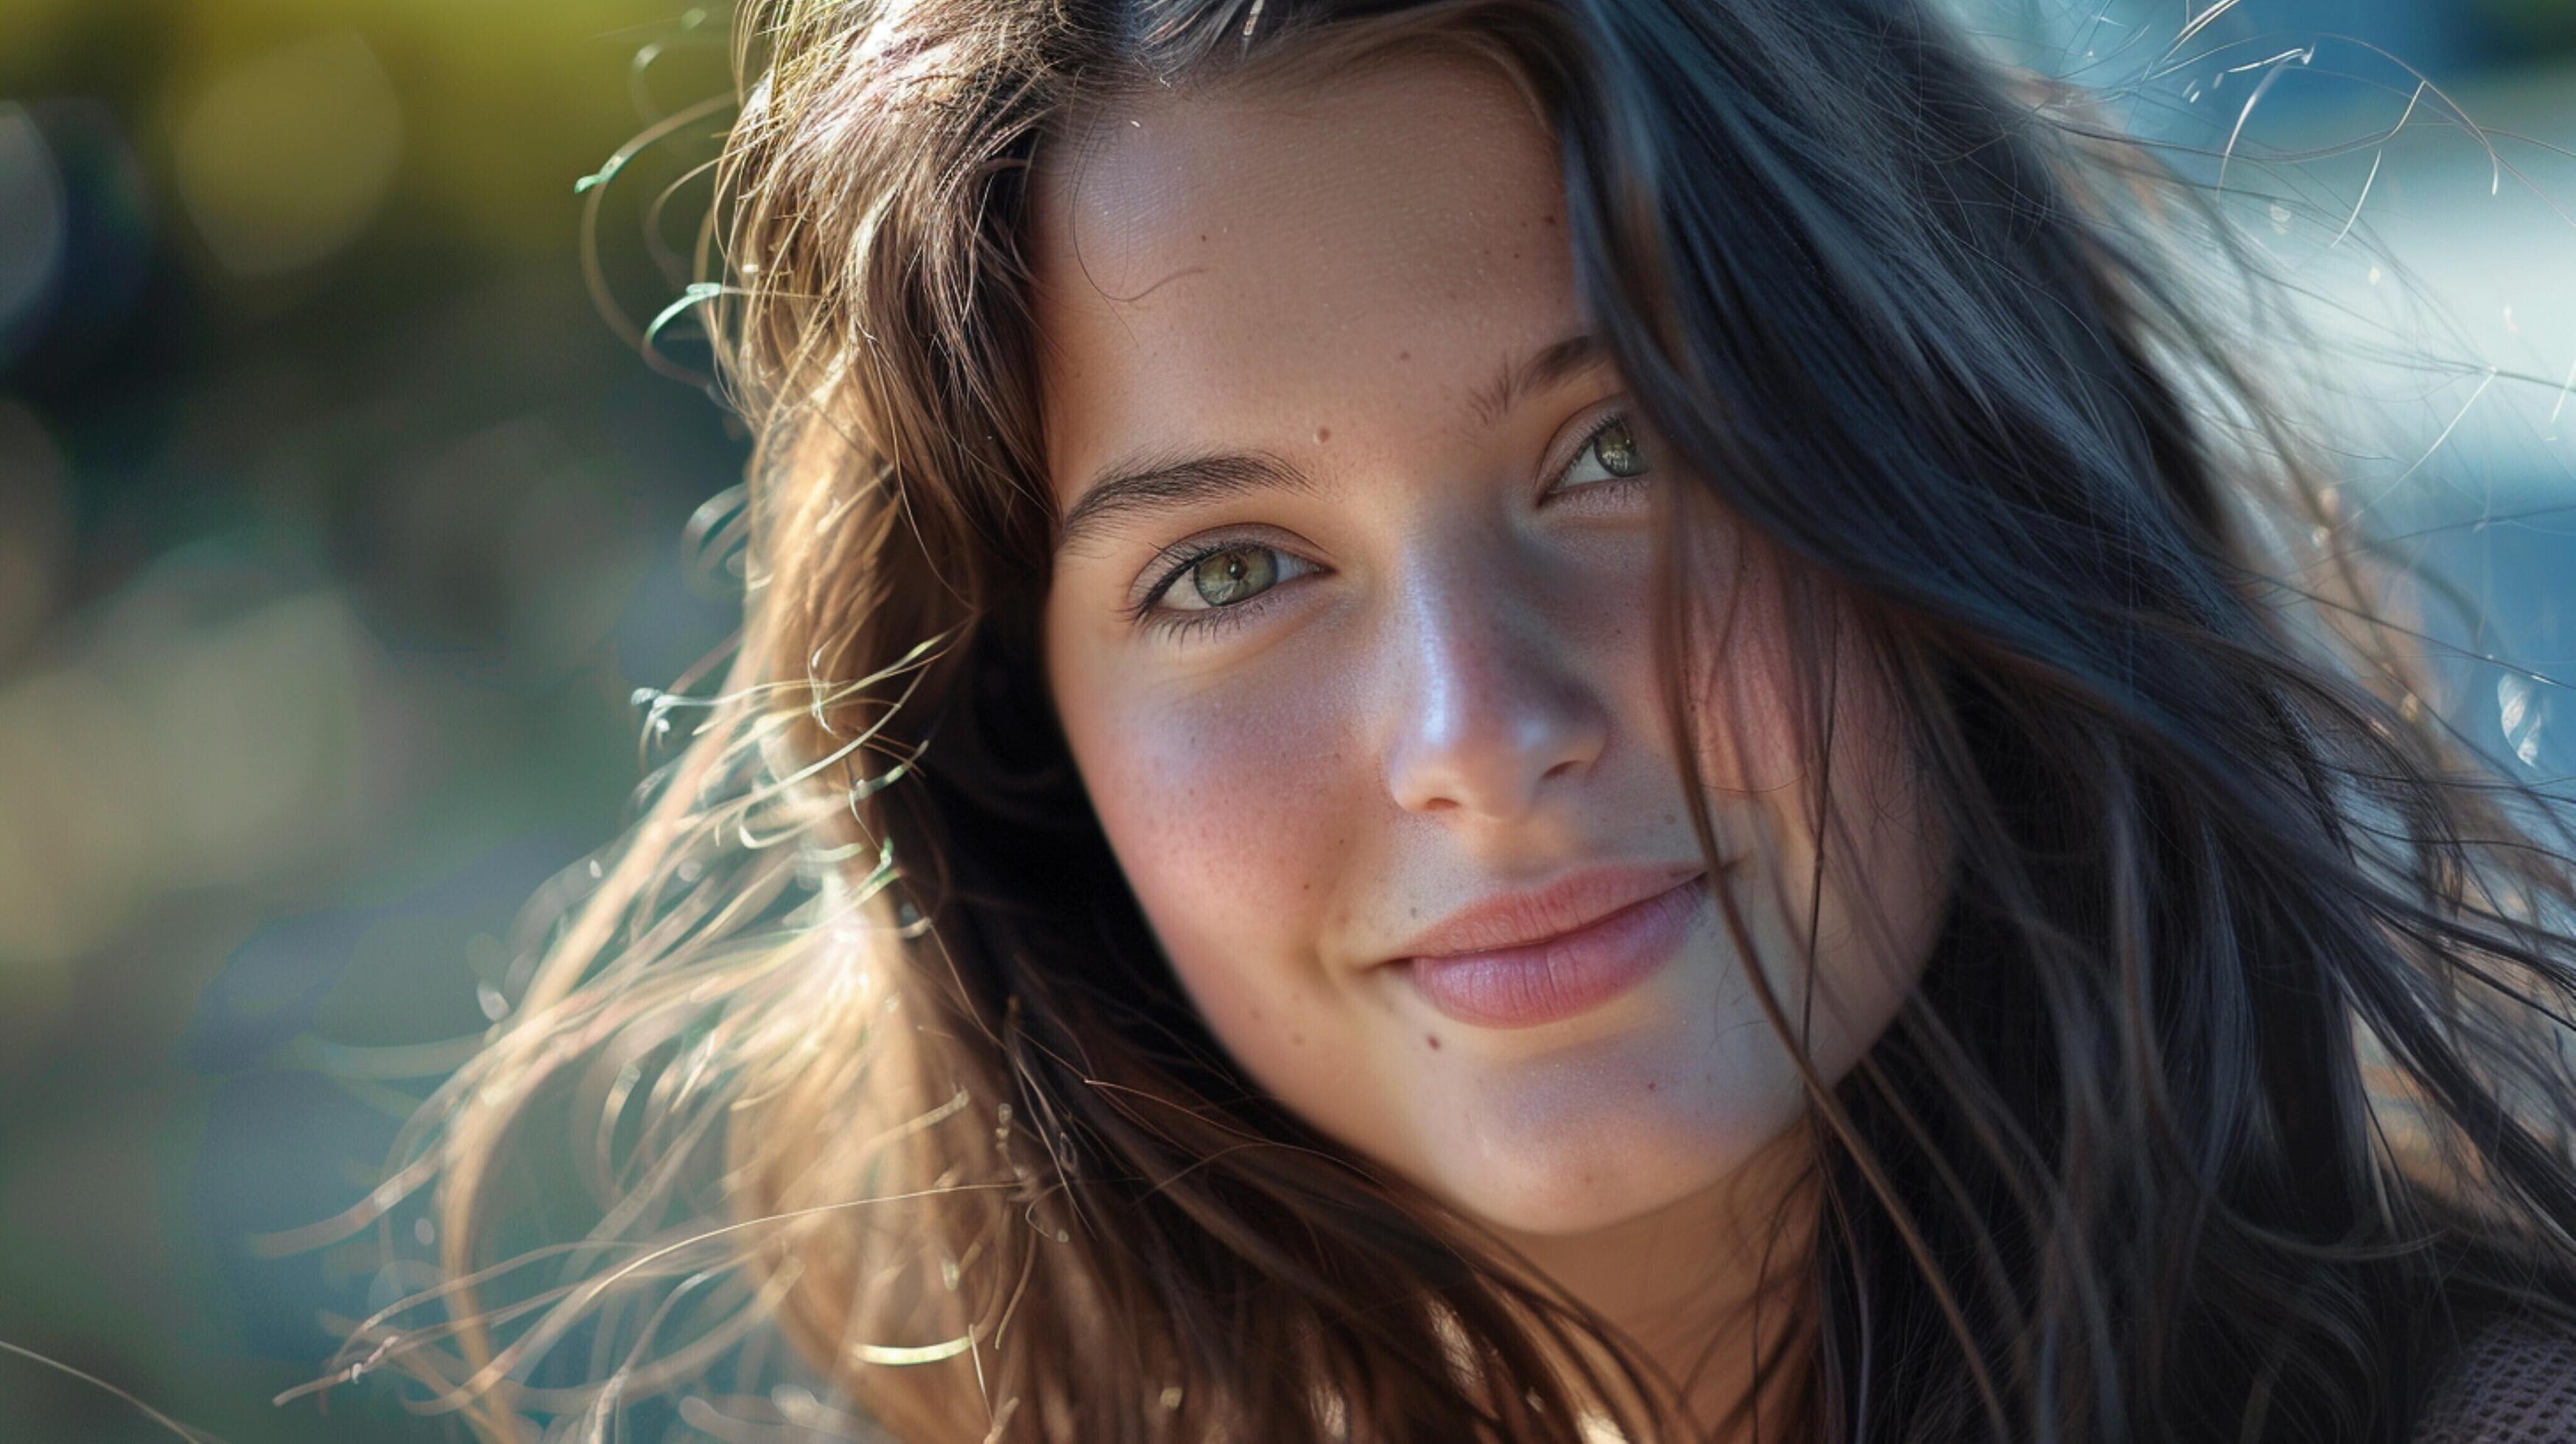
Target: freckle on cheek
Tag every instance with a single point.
(1433, 1039)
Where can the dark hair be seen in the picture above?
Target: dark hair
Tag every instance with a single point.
(2233, 1081)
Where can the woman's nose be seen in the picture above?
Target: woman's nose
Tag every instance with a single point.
(1492, 708)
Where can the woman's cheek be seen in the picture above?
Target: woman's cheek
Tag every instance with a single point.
(1222, 806)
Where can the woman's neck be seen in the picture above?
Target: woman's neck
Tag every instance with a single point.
(1706, 1285)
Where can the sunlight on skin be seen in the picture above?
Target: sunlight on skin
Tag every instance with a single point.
(1412, 669)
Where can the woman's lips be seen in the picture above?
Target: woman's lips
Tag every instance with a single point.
(1557, 977)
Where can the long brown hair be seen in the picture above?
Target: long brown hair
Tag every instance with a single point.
(2233, 1079)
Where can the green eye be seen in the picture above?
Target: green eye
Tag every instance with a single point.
(1616, 450)
(1236, 574)
(1219, 584)
(1611, 455)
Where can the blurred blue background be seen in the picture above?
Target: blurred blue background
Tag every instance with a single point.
(338, 525)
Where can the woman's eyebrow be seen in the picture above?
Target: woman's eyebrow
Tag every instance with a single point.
(1132, 488)
(1545, 367)
(1136, 487)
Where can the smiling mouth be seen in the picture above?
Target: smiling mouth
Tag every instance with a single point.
(1554, 977)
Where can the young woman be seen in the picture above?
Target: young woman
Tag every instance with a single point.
(1522, 720)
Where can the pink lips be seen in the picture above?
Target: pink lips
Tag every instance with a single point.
(1531, 958)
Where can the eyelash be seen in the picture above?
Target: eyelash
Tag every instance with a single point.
(1145, 612)
(1583, 448)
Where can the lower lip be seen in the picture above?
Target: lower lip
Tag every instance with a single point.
(1568, 974)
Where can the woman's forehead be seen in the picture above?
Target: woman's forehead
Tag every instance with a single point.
(1234, 254)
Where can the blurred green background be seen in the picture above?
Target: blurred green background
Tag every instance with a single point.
(337, 527)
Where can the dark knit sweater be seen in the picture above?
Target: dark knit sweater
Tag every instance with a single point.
(2513, 1382)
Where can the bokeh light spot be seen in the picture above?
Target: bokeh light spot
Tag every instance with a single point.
(283, 160)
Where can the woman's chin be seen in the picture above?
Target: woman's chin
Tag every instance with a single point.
(1581, 1149)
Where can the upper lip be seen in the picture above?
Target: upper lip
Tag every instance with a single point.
(1535, 915)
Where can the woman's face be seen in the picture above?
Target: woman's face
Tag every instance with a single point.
(1351, 634)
